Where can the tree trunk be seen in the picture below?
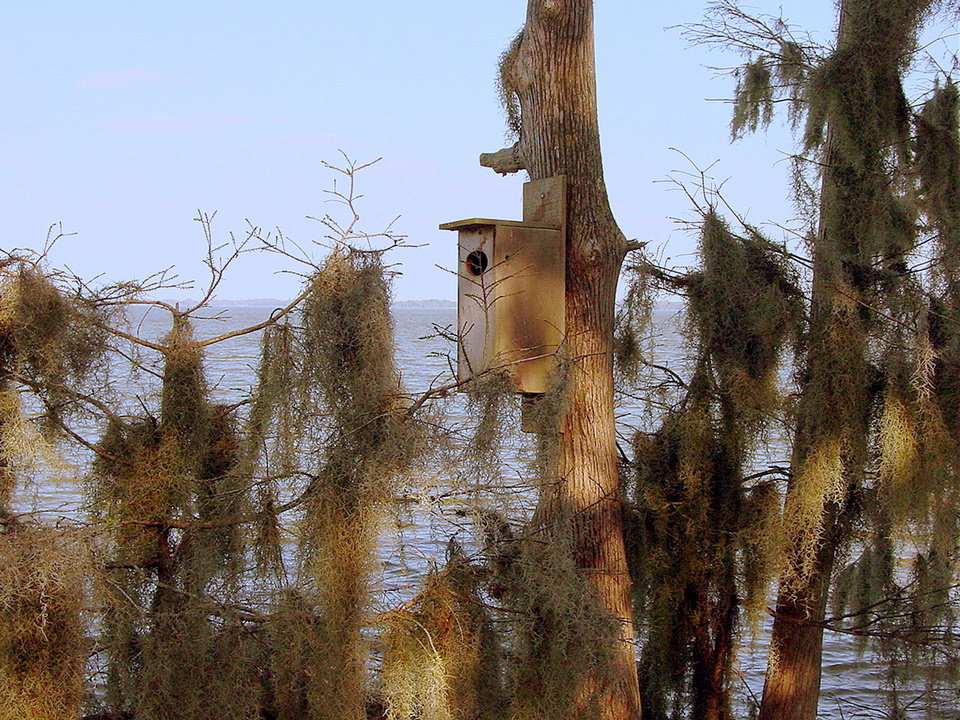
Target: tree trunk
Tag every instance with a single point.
(714, 646)
(864, 124)
(791, 690)
(832, 432)
(552, 73)
(828, 457)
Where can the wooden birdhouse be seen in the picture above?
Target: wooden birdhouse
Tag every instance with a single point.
(510, 296)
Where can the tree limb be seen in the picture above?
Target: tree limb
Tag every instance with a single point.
(504, 161)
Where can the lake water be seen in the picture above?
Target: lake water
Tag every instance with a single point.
(417, 537)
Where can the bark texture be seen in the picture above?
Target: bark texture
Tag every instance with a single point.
(552, 74)
(792, 687)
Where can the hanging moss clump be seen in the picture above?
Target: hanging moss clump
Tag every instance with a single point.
(274, 422)
(221, 501)
(703, 539)
(297, 637)
(761, 540)
(918, 453)
(368, 440)
(857, 90)
(865, 584)
(507, 86)
(938, 165)
(779, 73)
(745, 305)
(13, 438)
(632, 323)
(687, 517)
(57, 337)
(440, 657)
(272, 437)
(753, 103)
(42, 642)
(141, 480)
(184, 400)
(552, 608)
(169, 489)
(198, 660)
(489, 400)
(51, 341)
(349, 335)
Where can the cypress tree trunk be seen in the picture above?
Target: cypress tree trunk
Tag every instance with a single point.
(714, 646)
(830, 439)
(859, 96)
(791, 690)
(551, 71)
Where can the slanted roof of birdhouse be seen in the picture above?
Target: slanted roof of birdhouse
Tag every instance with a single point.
(486, 222)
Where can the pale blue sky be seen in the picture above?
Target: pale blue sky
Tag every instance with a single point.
(122, 118)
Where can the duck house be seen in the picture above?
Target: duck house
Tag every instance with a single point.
(510, 294)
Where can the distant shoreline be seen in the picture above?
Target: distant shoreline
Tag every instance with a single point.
(431, 304)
